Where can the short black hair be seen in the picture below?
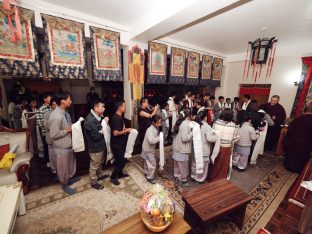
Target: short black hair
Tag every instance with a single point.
(236, 99)
(173, 93)
(119, 104)
(45, 95)
(155, 118)
(227, 115)
(96, 102)
(142, 100)
(53, 99)
(62, 95)
(212, 97)
(276, 96)
(227, 99)
(247, 96)
(207, 95)
(220, 97)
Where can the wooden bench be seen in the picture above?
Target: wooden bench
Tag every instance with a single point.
(135, 225)
(213, 201)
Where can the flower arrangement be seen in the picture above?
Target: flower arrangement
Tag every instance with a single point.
(157, 208)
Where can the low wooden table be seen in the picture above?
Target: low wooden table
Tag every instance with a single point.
(212, 201)
(135, 225)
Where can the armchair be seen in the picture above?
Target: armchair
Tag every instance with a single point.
(19, 169)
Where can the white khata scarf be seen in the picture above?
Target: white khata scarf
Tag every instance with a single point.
(77, 136)
(198, 147)
(174, 119)
(216, 148)
(106, 131)
(166, 116)
(130, 143)
(259, 145)
(161, 151)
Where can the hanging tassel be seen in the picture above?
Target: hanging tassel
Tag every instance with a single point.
(246, 62)
(18, 24)
(272, 60)
(6, 5)
(12, 35)
(269, 64)
(260, 71)
(250, 59)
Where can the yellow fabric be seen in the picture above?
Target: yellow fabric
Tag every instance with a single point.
(6, 161)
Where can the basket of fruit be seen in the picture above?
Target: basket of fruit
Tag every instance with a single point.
(157, 209)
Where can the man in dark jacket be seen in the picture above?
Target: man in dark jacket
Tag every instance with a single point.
(96, 143)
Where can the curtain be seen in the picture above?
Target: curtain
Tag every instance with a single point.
(303, 87)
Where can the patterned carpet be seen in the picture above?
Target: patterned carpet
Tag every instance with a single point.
(50, 210)
(267, 183)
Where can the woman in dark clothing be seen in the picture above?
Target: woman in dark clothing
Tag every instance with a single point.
(144, 116)
(298, 142)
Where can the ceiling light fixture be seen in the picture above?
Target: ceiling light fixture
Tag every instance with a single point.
(259, 52)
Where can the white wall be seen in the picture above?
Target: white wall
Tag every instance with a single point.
(286, 70)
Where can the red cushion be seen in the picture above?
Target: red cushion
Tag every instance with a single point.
(4, 149)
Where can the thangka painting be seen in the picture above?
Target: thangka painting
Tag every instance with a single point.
(106, 54)
(192, 68)
(65, 42)
(157, 63)
(19, 57)
(217, 69)
(136, 71)
(206, 66)
(177, 70)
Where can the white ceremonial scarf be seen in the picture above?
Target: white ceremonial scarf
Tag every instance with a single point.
(77, 136)
(201, 109)
(106, 131)
(130, 143)
(174, 120)
(161, 151)
(245, 105)
(198, 147)
(166, 116)
(259, 146)
(216, 148)
(220, 105)
(226, 105)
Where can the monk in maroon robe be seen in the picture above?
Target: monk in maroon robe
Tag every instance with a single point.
(298, 142)
(278, 115)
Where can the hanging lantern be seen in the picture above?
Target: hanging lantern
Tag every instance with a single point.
(260, 53)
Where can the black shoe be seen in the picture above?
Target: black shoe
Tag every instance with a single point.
(73, 180)
(103, 177)
(115, 182)
(123, 175)
(152, 181)
(97, 186)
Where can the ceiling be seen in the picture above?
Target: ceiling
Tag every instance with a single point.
(228, 33)
(124, 12)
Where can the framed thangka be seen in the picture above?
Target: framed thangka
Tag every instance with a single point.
(217, 71)
(136, 71)
(206, 66)
(106, 54)
(177, 69)
(65, 47)
(18, 57)
(157, 63)
(192, 68)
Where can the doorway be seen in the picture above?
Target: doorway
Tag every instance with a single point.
(260, 92)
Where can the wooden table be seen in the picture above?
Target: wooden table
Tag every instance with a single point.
(9, 203)
(135, 225)
(212, 201)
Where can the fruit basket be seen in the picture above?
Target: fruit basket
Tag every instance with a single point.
(157, 209)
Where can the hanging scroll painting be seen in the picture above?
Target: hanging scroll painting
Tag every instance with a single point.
(106, 54)
(206, 67)
(157, 63)
(18, 57)
(177, 70)
(136, 71)
(217, 71)
(192, 68)
(65, 43)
